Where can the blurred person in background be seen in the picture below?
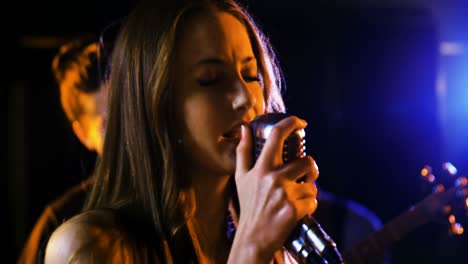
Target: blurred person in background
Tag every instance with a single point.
(81, 76)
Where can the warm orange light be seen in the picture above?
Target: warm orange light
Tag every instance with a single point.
(456, 229)
(424, 172)
(451, 219)
(446, 209)
(462, 181)
(439, 188)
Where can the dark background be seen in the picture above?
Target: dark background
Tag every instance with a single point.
(363, 73)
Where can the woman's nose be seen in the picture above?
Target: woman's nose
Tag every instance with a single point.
(244, 98)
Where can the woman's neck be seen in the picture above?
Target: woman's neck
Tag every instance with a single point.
(208, 226)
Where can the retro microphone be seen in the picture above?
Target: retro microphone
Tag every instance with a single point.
(308, 243)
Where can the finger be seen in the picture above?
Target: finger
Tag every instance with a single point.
(298, 191)
(304, 169)
(306, 206)
(271, 155)
(244, 152)
(294, 201)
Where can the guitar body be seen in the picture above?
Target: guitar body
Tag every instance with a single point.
(346, 221)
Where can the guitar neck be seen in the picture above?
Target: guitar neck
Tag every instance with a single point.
(375, 244)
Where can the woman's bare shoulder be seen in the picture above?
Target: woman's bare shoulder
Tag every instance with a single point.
(81, 233)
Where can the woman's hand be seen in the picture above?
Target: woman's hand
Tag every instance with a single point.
(271, 201)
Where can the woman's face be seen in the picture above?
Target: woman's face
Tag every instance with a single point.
(218, 89)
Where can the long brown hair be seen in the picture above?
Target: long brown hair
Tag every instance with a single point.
(140, 167)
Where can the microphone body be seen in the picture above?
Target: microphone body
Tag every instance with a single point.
(308, 243)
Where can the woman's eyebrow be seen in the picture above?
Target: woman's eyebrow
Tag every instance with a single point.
(210, 60)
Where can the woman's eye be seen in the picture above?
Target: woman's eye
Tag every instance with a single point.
(207, 82)
(252, 78)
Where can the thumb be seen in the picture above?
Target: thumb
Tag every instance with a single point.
(244, 152)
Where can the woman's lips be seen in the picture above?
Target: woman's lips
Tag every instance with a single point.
(233, 134)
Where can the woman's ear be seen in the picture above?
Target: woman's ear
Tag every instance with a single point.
(82, 135)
